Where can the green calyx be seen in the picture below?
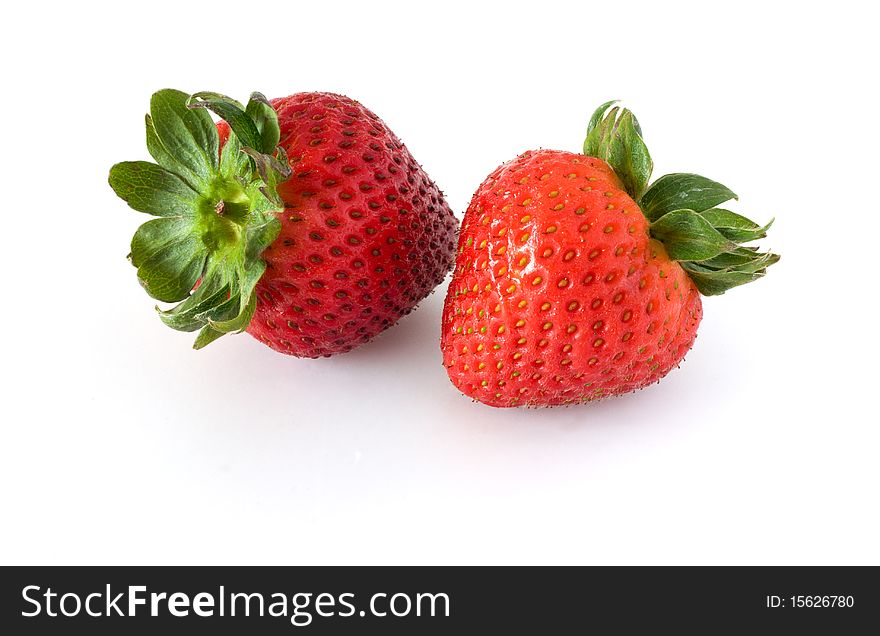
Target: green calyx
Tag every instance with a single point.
(682, 208)
(215, 211)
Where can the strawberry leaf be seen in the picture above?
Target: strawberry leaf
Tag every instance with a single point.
(216, 211)
(680, 191)
(707, 246)
(170, 265)
(154, 236)
(681, 207)
(689, 237)
(261, 112)
(233, 162)
(206, 336)
(163, 157)
(272, 171)
(185, 316)
(734, 226)
(259, 237)
(149, 188)
(188, 136)
(715, 283)
(614, 135)
(742, 259)
(232, 112)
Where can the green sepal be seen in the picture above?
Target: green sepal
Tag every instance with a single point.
(735, 226)
(232, 112)
(155, 235)
(235, 312)
(743, 259)
(255, 125)
(730, 268)
(681, 207)
(687, 236)
(711, 282)
(596, 119)
(261, 112)
(259, 237)
(217, 210)
(234, 164)
(189, 315)
(708, 247)
(149, 188)
(272, 171)
(706, 239)
(238, 322)
(206, 336)
(163, 157)
(169, 258)
(188, 136)
(682, 191)
(614, 135)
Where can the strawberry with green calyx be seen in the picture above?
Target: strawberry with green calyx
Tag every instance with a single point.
(567, 290)
(703, 238)
(304, 220)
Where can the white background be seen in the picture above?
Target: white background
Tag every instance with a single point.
(122, 445)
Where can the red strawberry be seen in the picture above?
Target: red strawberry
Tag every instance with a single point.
(566, 290)
(308, 224)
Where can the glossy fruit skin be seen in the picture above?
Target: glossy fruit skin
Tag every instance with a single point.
(559, 294)
(365, 233)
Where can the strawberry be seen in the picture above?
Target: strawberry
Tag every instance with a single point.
(574, 281)
(304, 221)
